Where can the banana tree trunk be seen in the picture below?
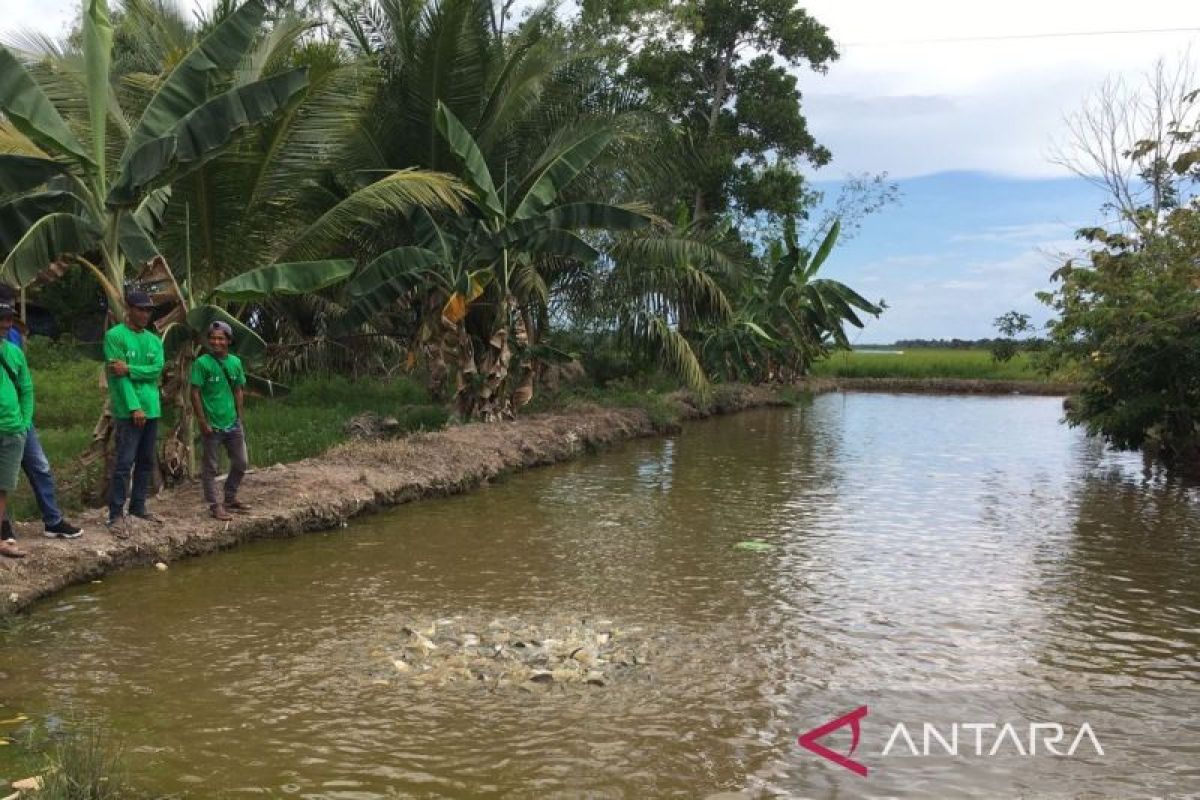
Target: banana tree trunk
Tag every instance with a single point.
(483, 388)
(177, 459)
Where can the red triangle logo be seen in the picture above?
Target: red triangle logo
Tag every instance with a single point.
(809, 740)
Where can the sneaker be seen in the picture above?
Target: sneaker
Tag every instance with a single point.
(148, 516)
(117, 527)
(63, 530)
(9, 549)
(219, 512)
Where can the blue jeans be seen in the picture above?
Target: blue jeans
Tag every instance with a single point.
(135, 452)
(41, 480)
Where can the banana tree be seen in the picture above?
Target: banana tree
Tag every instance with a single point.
(77, 197)
(787, 317)
(477, 274)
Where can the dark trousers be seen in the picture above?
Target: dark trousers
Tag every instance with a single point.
(135, 452)
(234, 442)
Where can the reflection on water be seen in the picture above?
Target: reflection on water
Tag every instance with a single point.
(928, 554)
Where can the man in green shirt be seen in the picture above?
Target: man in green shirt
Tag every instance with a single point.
(135, 363)
(217, 398)
(16, 418)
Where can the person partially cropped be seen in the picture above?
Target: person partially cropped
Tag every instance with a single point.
(34, 463)
(217, 398)
(134, 355)
(16, 418)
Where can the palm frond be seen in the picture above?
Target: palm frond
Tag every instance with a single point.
(385, 199)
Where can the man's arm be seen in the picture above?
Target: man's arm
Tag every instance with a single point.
(119, 384)
(151, 372)
(196, 378)
(198, 407)
(25, 383)
(239, 397)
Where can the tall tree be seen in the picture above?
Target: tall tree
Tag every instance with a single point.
(724, 70)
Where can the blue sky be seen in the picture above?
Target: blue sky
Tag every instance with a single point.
(961, 248)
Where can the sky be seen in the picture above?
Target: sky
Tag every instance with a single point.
(966, 128)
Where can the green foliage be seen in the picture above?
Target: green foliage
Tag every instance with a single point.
(724, 73)
(1010, 325)
(312, 418)
(1129, 316)
(786, 317)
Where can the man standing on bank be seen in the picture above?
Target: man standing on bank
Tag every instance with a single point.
(217, 398)
(16, 418)
(34, 463)
(135, 364)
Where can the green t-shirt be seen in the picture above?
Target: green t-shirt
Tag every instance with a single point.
(216, 392)
(16, 407)
(143, 352)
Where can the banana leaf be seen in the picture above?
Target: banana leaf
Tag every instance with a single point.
(45, 241)
(204, 133)
(18, 216)
(20, 173)
(247, 344)
(137, 245)
(554, 174)
(30, 111)
(187, 86)
(478, 176)
(97, 57)
(278, 279)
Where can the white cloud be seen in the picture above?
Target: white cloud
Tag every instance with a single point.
(1030, 232)
(899, 102)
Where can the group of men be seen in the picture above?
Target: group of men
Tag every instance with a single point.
(133, 355)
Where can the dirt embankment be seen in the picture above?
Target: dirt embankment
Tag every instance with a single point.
(323, 493)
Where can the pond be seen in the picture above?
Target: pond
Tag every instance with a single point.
(941, 561)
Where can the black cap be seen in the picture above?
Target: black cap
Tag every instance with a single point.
(6, 310)
(139, 299)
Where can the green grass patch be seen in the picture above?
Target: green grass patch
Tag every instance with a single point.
(305, 423)
(653, 399)
(312, 418)
(928, 363)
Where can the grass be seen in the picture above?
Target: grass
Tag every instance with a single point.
(305, 423)
(928, 363)
(648, 393)
(76, 759)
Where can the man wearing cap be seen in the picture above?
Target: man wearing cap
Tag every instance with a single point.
(16, 418)
(34, 463)
(217, 398)
(135, 363)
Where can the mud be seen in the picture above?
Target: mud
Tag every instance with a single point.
(323, 493)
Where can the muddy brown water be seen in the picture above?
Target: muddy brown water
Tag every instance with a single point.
(938, 560)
